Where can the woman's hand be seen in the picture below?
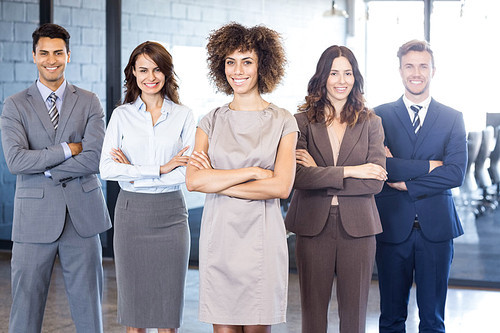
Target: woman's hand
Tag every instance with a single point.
(118, 156)
(366, 171)
(303, 158)
(261, 173)
(200, 160)
(177, 161)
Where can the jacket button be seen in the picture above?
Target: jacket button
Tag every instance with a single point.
(64, 185)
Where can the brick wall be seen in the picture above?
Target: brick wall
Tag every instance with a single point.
(85, 21)
(182, 25)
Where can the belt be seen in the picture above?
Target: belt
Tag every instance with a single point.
(416, 225)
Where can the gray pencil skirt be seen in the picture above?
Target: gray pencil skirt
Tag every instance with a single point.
(151, 245)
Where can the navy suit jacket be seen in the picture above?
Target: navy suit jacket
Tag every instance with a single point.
(442, 137)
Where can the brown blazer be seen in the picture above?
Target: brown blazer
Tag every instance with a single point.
(315, 186)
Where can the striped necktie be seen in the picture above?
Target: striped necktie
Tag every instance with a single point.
(416, 119)
(53, 113)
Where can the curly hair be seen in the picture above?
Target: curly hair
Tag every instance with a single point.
(317, 102)
(163, 60)
(235, 37)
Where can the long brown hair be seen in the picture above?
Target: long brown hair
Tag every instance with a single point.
(317, 101)
(163, 60)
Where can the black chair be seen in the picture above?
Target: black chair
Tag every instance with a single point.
(469, 188)
(494, 169)
(481, 173)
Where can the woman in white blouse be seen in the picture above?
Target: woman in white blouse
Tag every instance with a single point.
(146, 149)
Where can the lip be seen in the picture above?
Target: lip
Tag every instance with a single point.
(239, 81)
(51, 69)
(152, 85)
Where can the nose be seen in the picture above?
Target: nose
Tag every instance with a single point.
(151, 75)
(51, 59)
(238, 68)
(342, 78)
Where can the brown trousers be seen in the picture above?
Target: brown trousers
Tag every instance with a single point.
(322, 257)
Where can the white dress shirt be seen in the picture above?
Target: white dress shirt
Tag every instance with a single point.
(423, 111)
(45, 93)
(147, 147)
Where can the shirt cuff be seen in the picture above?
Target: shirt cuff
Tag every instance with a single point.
(67, 150)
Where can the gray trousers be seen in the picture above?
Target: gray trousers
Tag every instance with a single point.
(32, 264)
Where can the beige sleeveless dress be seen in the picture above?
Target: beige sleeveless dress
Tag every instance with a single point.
(243, 249)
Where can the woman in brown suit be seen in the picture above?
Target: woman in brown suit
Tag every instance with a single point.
(340, 167)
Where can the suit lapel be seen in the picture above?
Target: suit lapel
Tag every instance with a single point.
(351, 137)
(70, 98)
(402, 113)
(38, 104)
(322, 142)
(430, 119)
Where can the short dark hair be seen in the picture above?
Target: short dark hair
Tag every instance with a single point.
(163, 60)
(265, 42)
(50, 30)
(415, 45)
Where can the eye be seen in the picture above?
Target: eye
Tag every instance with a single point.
(142, 70)
(157, 69)
(229, 62)
(248, 62)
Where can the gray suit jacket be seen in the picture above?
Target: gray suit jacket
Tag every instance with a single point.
(315, 186)
(32, 146)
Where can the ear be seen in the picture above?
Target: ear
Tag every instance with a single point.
(34, 59)
(69, 56)
(433, 71)
(133, 71)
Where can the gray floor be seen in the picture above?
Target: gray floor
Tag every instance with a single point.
(468, 310)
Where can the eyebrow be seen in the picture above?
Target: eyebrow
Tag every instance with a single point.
(246, 58)
(60, 50)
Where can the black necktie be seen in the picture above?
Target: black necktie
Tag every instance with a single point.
(53, 113)
(416, 119)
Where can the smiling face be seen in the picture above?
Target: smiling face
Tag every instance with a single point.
(241, 70)
(340, 81)
(51, 57)
(416, 72)
(149, 77)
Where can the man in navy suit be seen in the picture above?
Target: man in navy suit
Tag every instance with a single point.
(426, 157)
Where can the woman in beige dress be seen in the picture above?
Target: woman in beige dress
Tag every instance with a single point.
(244, 159)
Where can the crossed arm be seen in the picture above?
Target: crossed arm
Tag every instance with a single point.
(362, 179)
(253, 183)
(21, 158)
(442, 175)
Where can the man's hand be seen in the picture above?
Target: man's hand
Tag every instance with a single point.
(76, 148)
(400, 186)
(434, 164)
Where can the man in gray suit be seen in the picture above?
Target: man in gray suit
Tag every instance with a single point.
(52, 135)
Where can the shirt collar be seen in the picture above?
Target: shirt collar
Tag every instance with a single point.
(141, 106)
(46, 91)
(424, 104)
